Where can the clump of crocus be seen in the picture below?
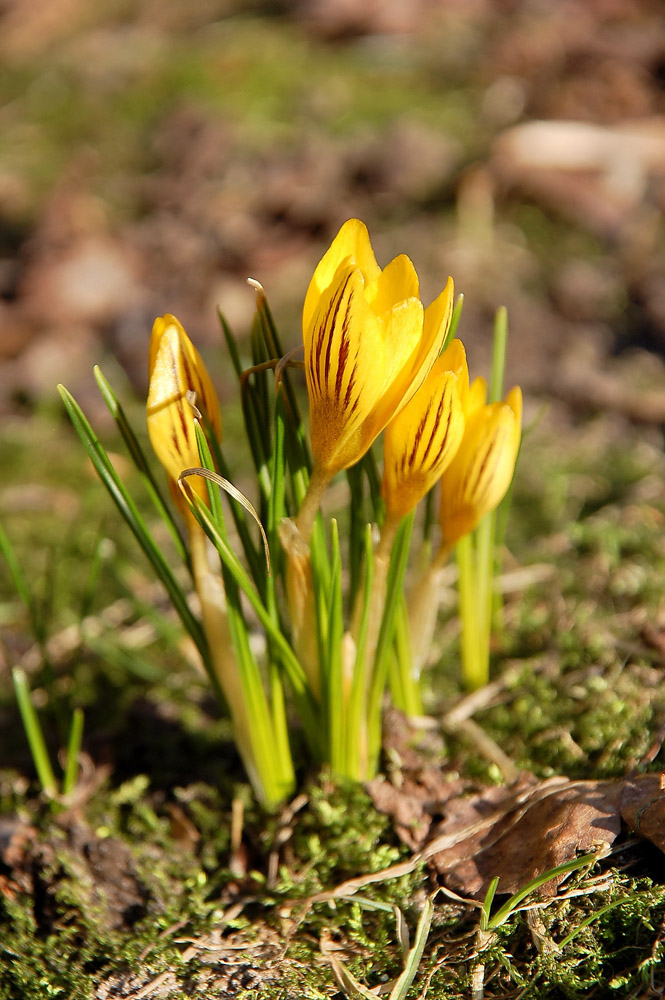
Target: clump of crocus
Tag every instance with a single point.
(374, 362)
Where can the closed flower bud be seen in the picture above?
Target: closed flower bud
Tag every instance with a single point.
(179, 386)
(481, 472)
(422, 440)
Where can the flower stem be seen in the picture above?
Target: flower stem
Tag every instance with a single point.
(378, 593)
(263, 762)
(301, 602)
(360, 655)
(474, 639)
(309, 508)
(424, 608)
(485, 537)
(404, 671)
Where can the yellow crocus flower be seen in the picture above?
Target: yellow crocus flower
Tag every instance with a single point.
(479, 475)
(421, 441)
(369, 344)
(179, 385)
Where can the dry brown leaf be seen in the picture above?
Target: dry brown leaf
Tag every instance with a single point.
(518, 832)
(527, 832)
(643, 807)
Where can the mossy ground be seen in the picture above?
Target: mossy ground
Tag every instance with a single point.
(218, 917)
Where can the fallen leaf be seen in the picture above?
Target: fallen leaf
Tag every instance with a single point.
(518, 831)
(420, 786)
(643, 807)
(526, 833)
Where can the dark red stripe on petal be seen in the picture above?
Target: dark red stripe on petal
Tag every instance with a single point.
(319, 336)
(444, 440)
(443, 403)
(313, 382)
(322, 337)
(344, 351)
(190, 381)
(354, 406)
(349, 389)
(417, 437)
(332, 325)
(495, 442)
(183, 420)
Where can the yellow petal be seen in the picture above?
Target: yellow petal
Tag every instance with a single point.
(481, 472)
(401, 340)
(454, 359)
(438, 314)
(494, 442)
(325, 301)
(189, 373)
(515, 402)
(344, 368)
(398, 281)
(435, 327)
(477, 395)
(421, 441)
(177, 374)
(350, 246)
(408, 376)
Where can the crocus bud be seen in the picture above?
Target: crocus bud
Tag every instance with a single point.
(422, 440)
(179, 387)
(478, 477)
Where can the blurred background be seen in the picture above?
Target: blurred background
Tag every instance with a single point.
(156, 153)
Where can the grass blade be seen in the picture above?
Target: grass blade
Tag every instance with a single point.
(348, 982)
(274, 349)
(394, 585)
(414, 958)
(73, 751)
(18, 577)
(454, 321)
(357, 702)
(357, 523)
(486, 908)
(231, 345)
(404, 680)
(133, 518)
(289, 660)
(499, 346)
(502, 915)
(140, 461)
(33, 731)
